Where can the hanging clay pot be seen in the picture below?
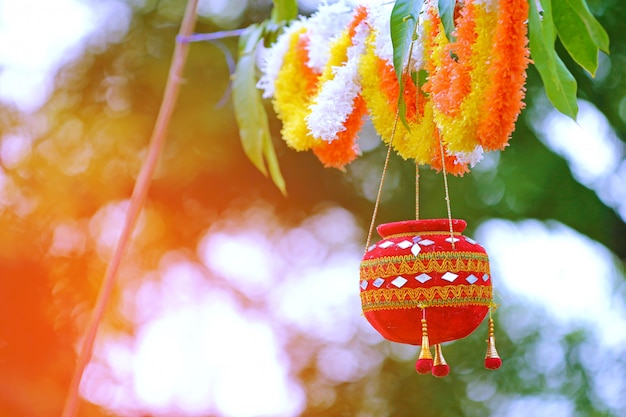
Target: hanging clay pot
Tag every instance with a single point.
(425, 283)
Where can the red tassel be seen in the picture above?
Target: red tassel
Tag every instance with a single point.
(424, 366)
(424, 363)
(493, 363)
(440, 367)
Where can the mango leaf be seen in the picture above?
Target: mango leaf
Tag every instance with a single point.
(403, 27)
(559, 83)
(272, 165)
(284, 10)
(249, 111)
(580, 32)
(446, 12)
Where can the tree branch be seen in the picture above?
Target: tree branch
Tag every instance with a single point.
(136, 204)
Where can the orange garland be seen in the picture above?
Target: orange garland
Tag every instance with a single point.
(504, 97)
(451, 81)
(453, 166)
(343, 150)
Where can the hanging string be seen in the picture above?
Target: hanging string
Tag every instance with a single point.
(493, 306)
(417, 191)
(445, 186)
(382, 178)
(382, 181)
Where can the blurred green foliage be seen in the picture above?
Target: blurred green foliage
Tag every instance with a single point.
(87, 146)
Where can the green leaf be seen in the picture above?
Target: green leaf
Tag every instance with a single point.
(558, 82)
(580, 32)
(272, 165)
(422, 77)
(446, 12)
(403, 26)
(284, 10)
(249, 111)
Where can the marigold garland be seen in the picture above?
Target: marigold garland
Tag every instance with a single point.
(379, 87)
(336, 111)
(294, 85)
(380, 91)
(434, 36)
(451, 79)
(505, 94)
(458, 126)
(324, 79)
(343, 150)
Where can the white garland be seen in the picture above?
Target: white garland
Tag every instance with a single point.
(335, 101)
(379, 19)
(322, 28)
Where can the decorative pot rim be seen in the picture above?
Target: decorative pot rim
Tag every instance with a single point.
(417, 226)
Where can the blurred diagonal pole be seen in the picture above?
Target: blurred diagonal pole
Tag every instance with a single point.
(136, 203)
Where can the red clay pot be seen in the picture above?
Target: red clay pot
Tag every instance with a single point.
(417, 271)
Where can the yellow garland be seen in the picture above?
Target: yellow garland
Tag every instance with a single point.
(292, 98)
(381, 109)
(338, 55)
(415, 144)
(423, 136)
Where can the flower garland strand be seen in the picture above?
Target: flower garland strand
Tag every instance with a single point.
(434, 36)
(294, 86)
(339, 84)
(292, 68)
(450, 80)
(505, 94)
(457, 120)
(337, 111)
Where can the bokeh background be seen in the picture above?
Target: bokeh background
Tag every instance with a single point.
(235, 301)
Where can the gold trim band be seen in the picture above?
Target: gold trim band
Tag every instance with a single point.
(448, 295)
(440, 262)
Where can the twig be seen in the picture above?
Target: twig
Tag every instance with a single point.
(136, 203)
(201, 37)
